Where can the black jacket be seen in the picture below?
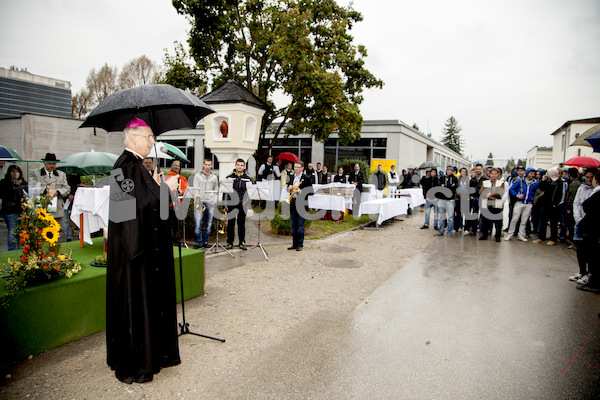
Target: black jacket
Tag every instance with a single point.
(449, 182)
(590, 224)
(268, 170)
(476, 183)
(239, 186)
(340, 179)
(305, 186)
(428, 182)
(380, 180)
(555, 193)
(11, 196)
(359, 178)
(312, 175)
(324, 178)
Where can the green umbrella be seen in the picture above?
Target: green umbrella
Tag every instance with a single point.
(8, 154)
(156, 151)
(88, 163)
(429, 164)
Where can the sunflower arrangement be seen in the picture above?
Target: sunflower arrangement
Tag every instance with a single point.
(41, 259)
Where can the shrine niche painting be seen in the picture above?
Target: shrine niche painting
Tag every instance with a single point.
(224, 128)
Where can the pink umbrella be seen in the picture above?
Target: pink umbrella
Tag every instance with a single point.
(581, 161)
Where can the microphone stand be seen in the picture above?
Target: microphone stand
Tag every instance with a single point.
(185, 326)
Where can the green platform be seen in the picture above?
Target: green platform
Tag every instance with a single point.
(55, 313)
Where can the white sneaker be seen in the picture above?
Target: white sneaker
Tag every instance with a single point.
(575, 277)
(522, 239)
(508, 238)
(584, 280)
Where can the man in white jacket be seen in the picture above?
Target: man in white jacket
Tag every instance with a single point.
(583, 253)
(393, 181)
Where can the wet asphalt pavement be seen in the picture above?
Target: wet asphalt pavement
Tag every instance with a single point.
(465, 319)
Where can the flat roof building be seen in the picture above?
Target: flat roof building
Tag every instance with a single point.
(23, 92)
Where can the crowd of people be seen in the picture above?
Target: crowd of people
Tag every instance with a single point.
(561, 202)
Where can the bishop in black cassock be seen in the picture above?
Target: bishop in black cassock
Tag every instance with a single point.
(141, 316)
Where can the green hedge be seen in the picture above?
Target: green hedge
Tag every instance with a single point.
(348, 165)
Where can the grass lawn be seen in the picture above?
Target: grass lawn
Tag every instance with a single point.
(322, 228)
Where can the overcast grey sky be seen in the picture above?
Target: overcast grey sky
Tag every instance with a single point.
(511, 72)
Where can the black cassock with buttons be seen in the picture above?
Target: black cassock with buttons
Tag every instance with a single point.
(141, 315)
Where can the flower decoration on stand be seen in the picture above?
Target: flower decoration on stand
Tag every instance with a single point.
(41, 259)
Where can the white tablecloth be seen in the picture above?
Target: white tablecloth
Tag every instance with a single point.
(414, 196)
(371, 195)
(93, 204)
(325, 202)
(385, 208)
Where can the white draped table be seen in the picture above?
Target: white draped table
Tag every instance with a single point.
(90, 211)
(385, 208)
(414, 197)
(326, 202)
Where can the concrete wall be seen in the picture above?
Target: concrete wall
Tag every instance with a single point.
(412, 153)
(32, 136)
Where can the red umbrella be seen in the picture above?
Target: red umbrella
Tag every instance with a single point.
(287, 156)
(581, 161)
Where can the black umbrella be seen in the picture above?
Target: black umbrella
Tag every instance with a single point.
(163, 107)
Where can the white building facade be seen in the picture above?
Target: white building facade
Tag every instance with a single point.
(564, 137)
(539, 157)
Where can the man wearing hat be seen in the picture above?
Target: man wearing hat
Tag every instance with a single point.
(53, 184)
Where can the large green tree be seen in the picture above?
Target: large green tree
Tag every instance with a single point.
(451, 135)
(181, 72)
(301, 49)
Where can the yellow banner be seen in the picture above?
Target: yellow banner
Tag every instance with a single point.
(386, 164)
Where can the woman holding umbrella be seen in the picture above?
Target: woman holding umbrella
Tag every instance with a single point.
(13, 190)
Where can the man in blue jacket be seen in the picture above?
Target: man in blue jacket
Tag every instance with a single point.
(522, 190)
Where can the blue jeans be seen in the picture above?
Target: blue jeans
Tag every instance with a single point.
(65, 226)
(428, 205)
(297, 226)
(202, 235)
(446, 212)
(11, 221)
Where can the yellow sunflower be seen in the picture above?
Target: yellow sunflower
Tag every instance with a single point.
(53, 223)
(43, 214)
(50, 234)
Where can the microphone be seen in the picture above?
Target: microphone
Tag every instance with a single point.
(172, 154)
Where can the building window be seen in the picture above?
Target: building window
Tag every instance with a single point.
(298, 146)
(362, 149)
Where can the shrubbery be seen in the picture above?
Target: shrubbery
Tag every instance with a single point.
(348, 165)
